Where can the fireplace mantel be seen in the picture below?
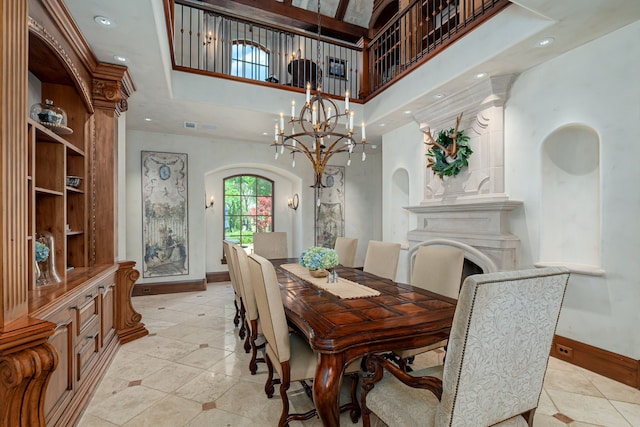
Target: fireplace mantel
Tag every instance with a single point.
(481, 223)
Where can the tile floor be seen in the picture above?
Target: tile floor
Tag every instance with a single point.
(192, 371)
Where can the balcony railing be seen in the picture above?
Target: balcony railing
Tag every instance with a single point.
(224, 45)
(419, 31)
(237, 48)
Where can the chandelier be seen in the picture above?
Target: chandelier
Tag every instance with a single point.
(320, 130)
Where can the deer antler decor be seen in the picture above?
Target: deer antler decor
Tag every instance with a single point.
(448, 153)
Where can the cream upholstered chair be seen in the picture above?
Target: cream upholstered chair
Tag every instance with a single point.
(498, 352)
(238, 319)
(438, 269)
(252, 322)
(271, 245)
(346, 248)
(381, 259)
(286, 351)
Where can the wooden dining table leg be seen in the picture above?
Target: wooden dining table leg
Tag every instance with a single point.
(326, 388)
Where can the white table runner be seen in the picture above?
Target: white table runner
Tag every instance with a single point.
(343, 289)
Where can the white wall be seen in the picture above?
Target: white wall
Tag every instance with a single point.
(403, 151)
(595, 85)
(209, 161)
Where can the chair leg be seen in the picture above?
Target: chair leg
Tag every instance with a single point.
(236, 317)
(253, 364)
(372, 374)
(353, 406)
(242, 331)
(268, 386)
(247, 340)
(284, 386)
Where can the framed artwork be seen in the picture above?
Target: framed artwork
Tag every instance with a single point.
(337, 68)
(164, 214)
(330, 207)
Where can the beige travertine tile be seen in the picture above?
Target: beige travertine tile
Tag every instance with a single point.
(614, 390)
(203, 358)
(178, 376)
(206, 387)
(89, 420)
(121, 407)
(256, 407)
(171, 377)
(217, 417)
(557, 379)
(169, 411)
(545, 405)
(630, 411)
(588, 409)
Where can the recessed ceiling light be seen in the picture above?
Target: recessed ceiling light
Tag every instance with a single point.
(480, 75)
(120, 58)
(147, 119)
(546, 42)
(381, 125)
(265, 133)
(407, 111)
(438, 96)
(104, 21)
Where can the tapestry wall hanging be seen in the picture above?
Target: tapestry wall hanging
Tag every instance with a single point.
(164, 214)
(330, 207)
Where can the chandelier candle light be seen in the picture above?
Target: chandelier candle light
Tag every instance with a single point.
(316, 131)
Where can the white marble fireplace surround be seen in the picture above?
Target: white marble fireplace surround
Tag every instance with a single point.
(472, 207)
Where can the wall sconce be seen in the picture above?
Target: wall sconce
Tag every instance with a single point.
(293, 202)
(209, 204)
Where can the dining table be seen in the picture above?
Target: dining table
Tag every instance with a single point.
(359, 315)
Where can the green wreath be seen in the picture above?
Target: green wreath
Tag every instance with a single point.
(439, 160)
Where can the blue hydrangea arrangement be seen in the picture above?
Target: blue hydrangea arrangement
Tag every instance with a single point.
(42, 252)
(317, 258)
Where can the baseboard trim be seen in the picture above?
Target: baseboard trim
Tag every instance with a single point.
(220, 276)
(159, 288)
(611, 365)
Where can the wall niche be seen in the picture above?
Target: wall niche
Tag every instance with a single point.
(570, 217)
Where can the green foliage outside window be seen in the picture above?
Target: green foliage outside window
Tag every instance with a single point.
(248, 207)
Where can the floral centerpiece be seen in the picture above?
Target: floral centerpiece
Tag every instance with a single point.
(318, 260)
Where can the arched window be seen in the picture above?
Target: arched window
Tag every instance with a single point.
(248, 208)
(249, 60)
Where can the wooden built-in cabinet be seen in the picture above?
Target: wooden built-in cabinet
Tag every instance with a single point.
(57, 339)
(57, 208)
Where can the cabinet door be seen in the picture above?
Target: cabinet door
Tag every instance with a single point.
(60, 388)
(107, 312)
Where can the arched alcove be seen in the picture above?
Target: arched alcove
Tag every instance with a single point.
(570, 220)
(399, 197)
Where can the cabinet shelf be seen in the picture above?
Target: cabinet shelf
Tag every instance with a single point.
(75, 233)
(74, 190)
(46, 191)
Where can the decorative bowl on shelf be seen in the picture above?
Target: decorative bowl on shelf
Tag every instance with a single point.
(50, 116)
(74, 181)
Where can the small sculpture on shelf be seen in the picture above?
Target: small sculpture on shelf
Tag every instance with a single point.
(50, 116)
(45, 269)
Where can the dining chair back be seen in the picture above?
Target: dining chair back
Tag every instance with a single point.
(438, 269)
(286, 351)
(346, 247)
(381, 259)
(271, 245)
(498, 352)
(252, 325)
(238, 317)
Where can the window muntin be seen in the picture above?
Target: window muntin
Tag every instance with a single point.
(248, 208)
(249, 60)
